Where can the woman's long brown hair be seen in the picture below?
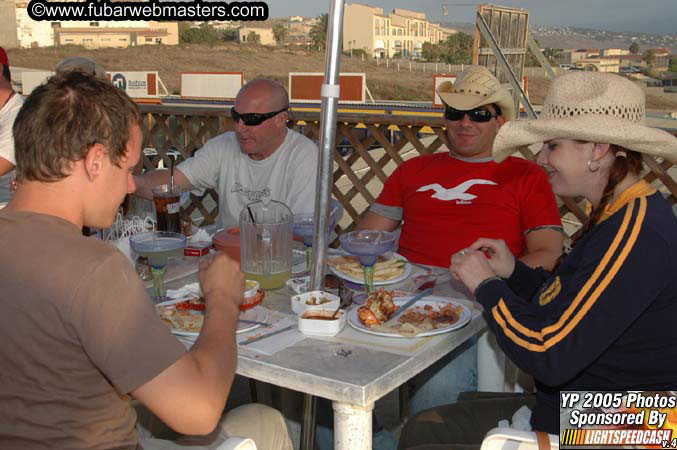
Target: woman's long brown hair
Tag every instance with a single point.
(621, 167)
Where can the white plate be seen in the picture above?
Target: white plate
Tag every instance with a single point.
(404, 276)
(256, 313)
(354, 320)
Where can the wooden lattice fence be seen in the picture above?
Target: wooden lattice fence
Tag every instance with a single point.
(369, 147)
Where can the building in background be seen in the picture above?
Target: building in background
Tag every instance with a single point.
(570, 56)
(263, 31)
(156, 33)
(632, 61)
(401, 33)
(614, 52)
(669, 80)
(599, 64)
(661, 59)
(17, 29)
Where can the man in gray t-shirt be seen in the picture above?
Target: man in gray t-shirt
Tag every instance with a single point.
(261, 159)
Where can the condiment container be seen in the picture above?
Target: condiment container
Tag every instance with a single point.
(318, 323)
(252, 295)
(301, 303)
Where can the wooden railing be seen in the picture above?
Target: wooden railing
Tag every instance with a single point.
(369, 147)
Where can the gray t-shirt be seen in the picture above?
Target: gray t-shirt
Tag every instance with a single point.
(288, 175)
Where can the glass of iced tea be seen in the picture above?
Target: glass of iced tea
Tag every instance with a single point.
(168, 207)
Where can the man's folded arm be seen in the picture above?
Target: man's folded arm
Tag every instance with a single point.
(544, 247)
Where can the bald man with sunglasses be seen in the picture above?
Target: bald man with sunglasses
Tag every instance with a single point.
(261, 159)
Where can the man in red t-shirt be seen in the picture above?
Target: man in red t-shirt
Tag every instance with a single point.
(446, 201)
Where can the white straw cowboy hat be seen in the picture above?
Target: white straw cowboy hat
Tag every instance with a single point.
(476, 87)
(589, 106)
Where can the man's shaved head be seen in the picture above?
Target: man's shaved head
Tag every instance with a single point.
(277, 94)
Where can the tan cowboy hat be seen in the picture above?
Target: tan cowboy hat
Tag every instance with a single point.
(589, 106)
(475, 87)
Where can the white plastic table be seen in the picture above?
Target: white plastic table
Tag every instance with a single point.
(352, 376)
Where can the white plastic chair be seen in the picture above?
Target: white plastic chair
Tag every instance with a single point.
(495, 372)
(237, 443)
(511, 439)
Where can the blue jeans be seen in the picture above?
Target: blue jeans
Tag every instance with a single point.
(441, 383)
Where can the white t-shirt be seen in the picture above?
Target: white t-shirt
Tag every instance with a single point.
(288, 175)
(7, 115)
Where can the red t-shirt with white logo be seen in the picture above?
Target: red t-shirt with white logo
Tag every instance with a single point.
(448, 203)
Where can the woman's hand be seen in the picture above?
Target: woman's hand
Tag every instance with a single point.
(471, 267)
(499, 256)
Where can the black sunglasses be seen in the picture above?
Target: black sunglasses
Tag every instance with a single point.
(476, 115)
(253, 119)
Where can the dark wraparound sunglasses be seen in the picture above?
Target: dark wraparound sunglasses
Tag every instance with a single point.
(476, 115)
(253, 119)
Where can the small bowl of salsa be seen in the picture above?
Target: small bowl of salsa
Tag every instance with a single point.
(321, 322)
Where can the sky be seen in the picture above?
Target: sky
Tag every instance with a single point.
(644, 16)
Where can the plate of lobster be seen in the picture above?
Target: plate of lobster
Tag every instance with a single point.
(427, 317)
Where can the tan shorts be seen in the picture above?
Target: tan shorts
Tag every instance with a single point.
(264, 425)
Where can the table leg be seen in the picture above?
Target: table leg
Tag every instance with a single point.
(352, 426)
(308, 424)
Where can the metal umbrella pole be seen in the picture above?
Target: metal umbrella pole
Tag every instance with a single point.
(330, 97)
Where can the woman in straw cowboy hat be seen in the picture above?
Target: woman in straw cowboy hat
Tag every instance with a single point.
(604, 319)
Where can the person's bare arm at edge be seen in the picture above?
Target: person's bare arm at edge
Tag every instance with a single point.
(189, 396)
(373, 221)
(147, 181)
(5, 166)
(544, 247)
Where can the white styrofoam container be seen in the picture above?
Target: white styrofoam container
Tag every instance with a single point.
(315, 327)
(299, 302)
(251, 287)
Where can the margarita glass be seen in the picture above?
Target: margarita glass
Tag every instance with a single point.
(158, 247)
(367, 245)
(304, 227)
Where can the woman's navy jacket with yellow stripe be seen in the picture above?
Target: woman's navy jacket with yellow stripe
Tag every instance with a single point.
(606, 319)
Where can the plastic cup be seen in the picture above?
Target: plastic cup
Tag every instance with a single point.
(168, 208)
